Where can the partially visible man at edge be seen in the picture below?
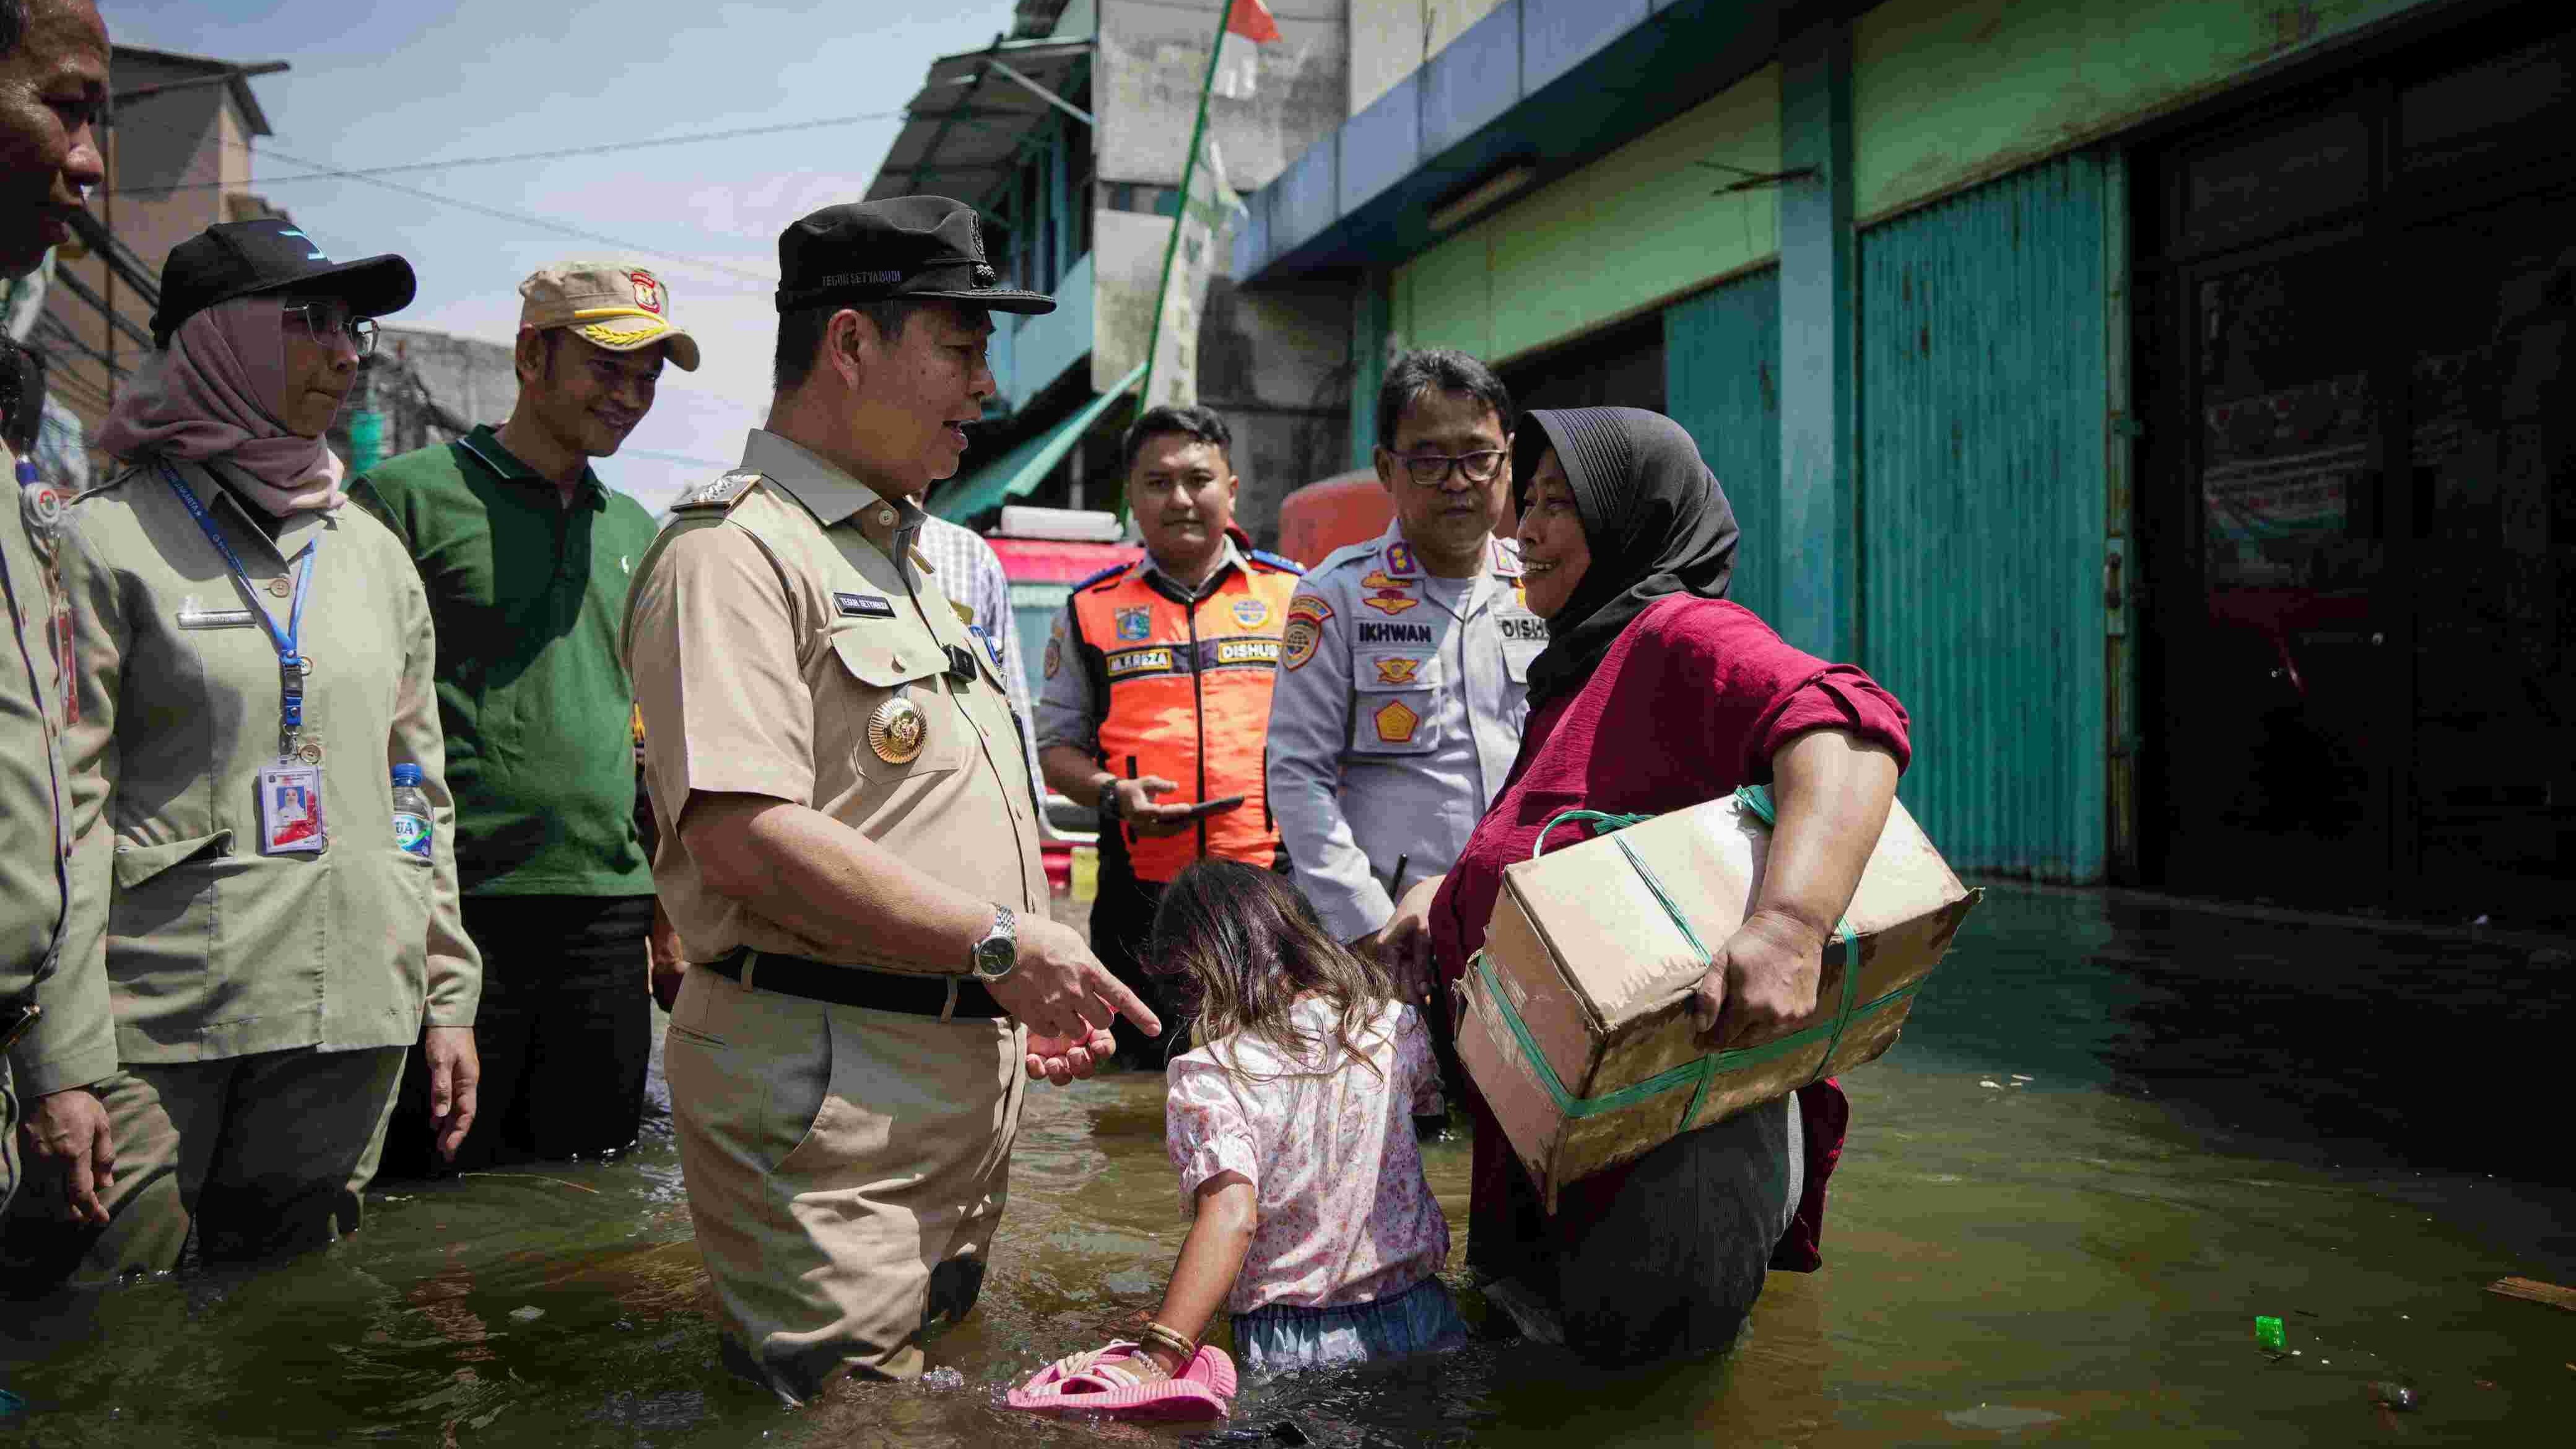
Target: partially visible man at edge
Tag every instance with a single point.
(56, 1035)
(855, 875)
(1158, 680)
(527, 557)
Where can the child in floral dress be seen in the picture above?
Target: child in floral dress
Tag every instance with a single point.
(1292, 1129)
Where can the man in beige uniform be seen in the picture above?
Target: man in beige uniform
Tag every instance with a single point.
(853, 868)
(55, 1038)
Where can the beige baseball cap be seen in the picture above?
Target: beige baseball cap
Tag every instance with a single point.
(607, 304)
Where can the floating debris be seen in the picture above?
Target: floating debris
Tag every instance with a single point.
(1999, 1417)
(1998, 1086)
(2269, 1334)
(529, 1314)
(941, 1380)
(2389, 1394)
(2535, 1291)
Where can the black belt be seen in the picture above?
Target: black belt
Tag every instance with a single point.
(857, 985)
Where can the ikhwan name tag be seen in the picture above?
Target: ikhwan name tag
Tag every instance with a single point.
(864, 606)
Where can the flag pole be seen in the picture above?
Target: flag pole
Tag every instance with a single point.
(1181, 212)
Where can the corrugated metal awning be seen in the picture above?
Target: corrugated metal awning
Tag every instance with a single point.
(965, 131)
(1023, 468)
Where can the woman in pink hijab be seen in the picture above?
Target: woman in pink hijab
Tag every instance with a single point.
(253, 678)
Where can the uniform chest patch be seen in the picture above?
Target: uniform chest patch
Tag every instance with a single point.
(1391, 601)
(1054, 657)
(1399, 557)
(1396, 723)
(1380, 579)
(1397, 671)
(1251, 613)
(863, 606)
(1135, 625)
(1528, 627)
(1394, 633)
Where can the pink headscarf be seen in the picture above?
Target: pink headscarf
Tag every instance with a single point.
(213, 393)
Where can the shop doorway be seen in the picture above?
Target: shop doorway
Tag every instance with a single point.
(2358, 492)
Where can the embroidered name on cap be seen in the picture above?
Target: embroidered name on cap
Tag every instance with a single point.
(864, 606)
(860, 279)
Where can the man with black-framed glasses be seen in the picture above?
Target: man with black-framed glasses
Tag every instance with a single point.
(1404, 664)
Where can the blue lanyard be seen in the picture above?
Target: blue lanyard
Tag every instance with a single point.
(291, 665)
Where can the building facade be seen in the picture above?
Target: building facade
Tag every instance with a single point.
(2163, 397)
(1069, 135)
(178, 142)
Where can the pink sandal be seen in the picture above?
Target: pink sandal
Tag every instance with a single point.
(1096, 1382)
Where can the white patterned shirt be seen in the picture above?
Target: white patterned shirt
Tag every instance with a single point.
(971, 573)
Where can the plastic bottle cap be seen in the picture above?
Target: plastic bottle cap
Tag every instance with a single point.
(406, 774)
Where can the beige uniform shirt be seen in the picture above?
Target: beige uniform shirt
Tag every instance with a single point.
(70, 1046)
(771, 623)
(211, 948)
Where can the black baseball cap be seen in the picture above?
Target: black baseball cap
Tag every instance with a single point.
(903, 248)
(243, 258)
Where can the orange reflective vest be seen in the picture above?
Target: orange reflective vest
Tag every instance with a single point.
(1185, 694)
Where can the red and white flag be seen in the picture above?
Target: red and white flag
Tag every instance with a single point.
(1248, 26)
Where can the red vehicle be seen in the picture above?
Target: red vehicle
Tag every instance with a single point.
(1045, 552)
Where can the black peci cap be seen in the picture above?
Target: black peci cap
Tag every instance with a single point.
(243, 258)
(904, 248)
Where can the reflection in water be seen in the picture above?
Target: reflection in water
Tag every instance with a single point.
(2113, 1135)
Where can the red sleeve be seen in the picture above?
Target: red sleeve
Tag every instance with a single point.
(1766, 692)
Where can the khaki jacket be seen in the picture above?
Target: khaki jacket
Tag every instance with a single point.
(766, 629)
(211, 948)
(70, 1046)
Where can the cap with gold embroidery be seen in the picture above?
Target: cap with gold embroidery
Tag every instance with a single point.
(607, 304)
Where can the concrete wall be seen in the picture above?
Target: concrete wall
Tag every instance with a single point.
(468, 376)
(1153, 60)
(1390, 39)
(1275, 365)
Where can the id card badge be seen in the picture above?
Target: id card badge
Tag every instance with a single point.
(290, 809)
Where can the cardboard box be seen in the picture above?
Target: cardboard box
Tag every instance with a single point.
(1577, 1023)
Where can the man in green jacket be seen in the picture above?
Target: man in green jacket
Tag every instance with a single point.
(527, 557)
(55, 1035)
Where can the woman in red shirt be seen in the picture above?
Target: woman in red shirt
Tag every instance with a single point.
(1654, 695)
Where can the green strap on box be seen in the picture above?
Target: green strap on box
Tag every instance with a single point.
(1698, 1073)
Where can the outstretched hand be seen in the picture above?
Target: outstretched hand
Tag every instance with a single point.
(1063, 995)
(1061, 1059)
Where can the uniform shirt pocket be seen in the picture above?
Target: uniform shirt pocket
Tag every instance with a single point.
(1524, 637)
(1396, 705)
(899, 722)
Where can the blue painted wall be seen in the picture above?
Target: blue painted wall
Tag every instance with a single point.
(1722, 381)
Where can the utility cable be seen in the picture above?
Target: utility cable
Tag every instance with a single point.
(501, 213)
(601, 149)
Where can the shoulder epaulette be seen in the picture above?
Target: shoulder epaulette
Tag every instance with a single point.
(723, 492)
(1108, 573)
(1348, 553)
(1285, 565)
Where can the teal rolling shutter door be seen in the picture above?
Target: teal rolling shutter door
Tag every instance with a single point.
(1722, 381)
(1983, 386)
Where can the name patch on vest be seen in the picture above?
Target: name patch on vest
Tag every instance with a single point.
(1376, 633)
(864, 606)
(1523, 626)
(1246, 651)
(1129, 662)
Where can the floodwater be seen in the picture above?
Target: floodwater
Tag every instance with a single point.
(2115, 1132)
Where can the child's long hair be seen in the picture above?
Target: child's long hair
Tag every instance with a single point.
(1244, 945)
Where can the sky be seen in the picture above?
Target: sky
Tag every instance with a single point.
(379, 84)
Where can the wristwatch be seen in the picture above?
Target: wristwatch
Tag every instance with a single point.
(1109, 811)
(995, 956)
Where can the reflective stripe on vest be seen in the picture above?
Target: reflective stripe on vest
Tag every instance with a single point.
(1189, 689)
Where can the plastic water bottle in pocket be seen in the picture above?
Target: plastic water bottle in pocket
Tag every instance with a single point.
(411, 813)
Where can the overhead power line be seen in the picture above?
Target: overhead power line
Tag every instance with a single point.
(501, 213)
(604, 148)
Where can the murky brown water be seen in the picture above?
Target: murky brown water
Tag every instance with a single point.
(2075, 1259)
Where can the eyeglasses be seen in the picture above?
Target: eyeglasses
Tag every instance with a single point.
(324, 321)
(1430, 470)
